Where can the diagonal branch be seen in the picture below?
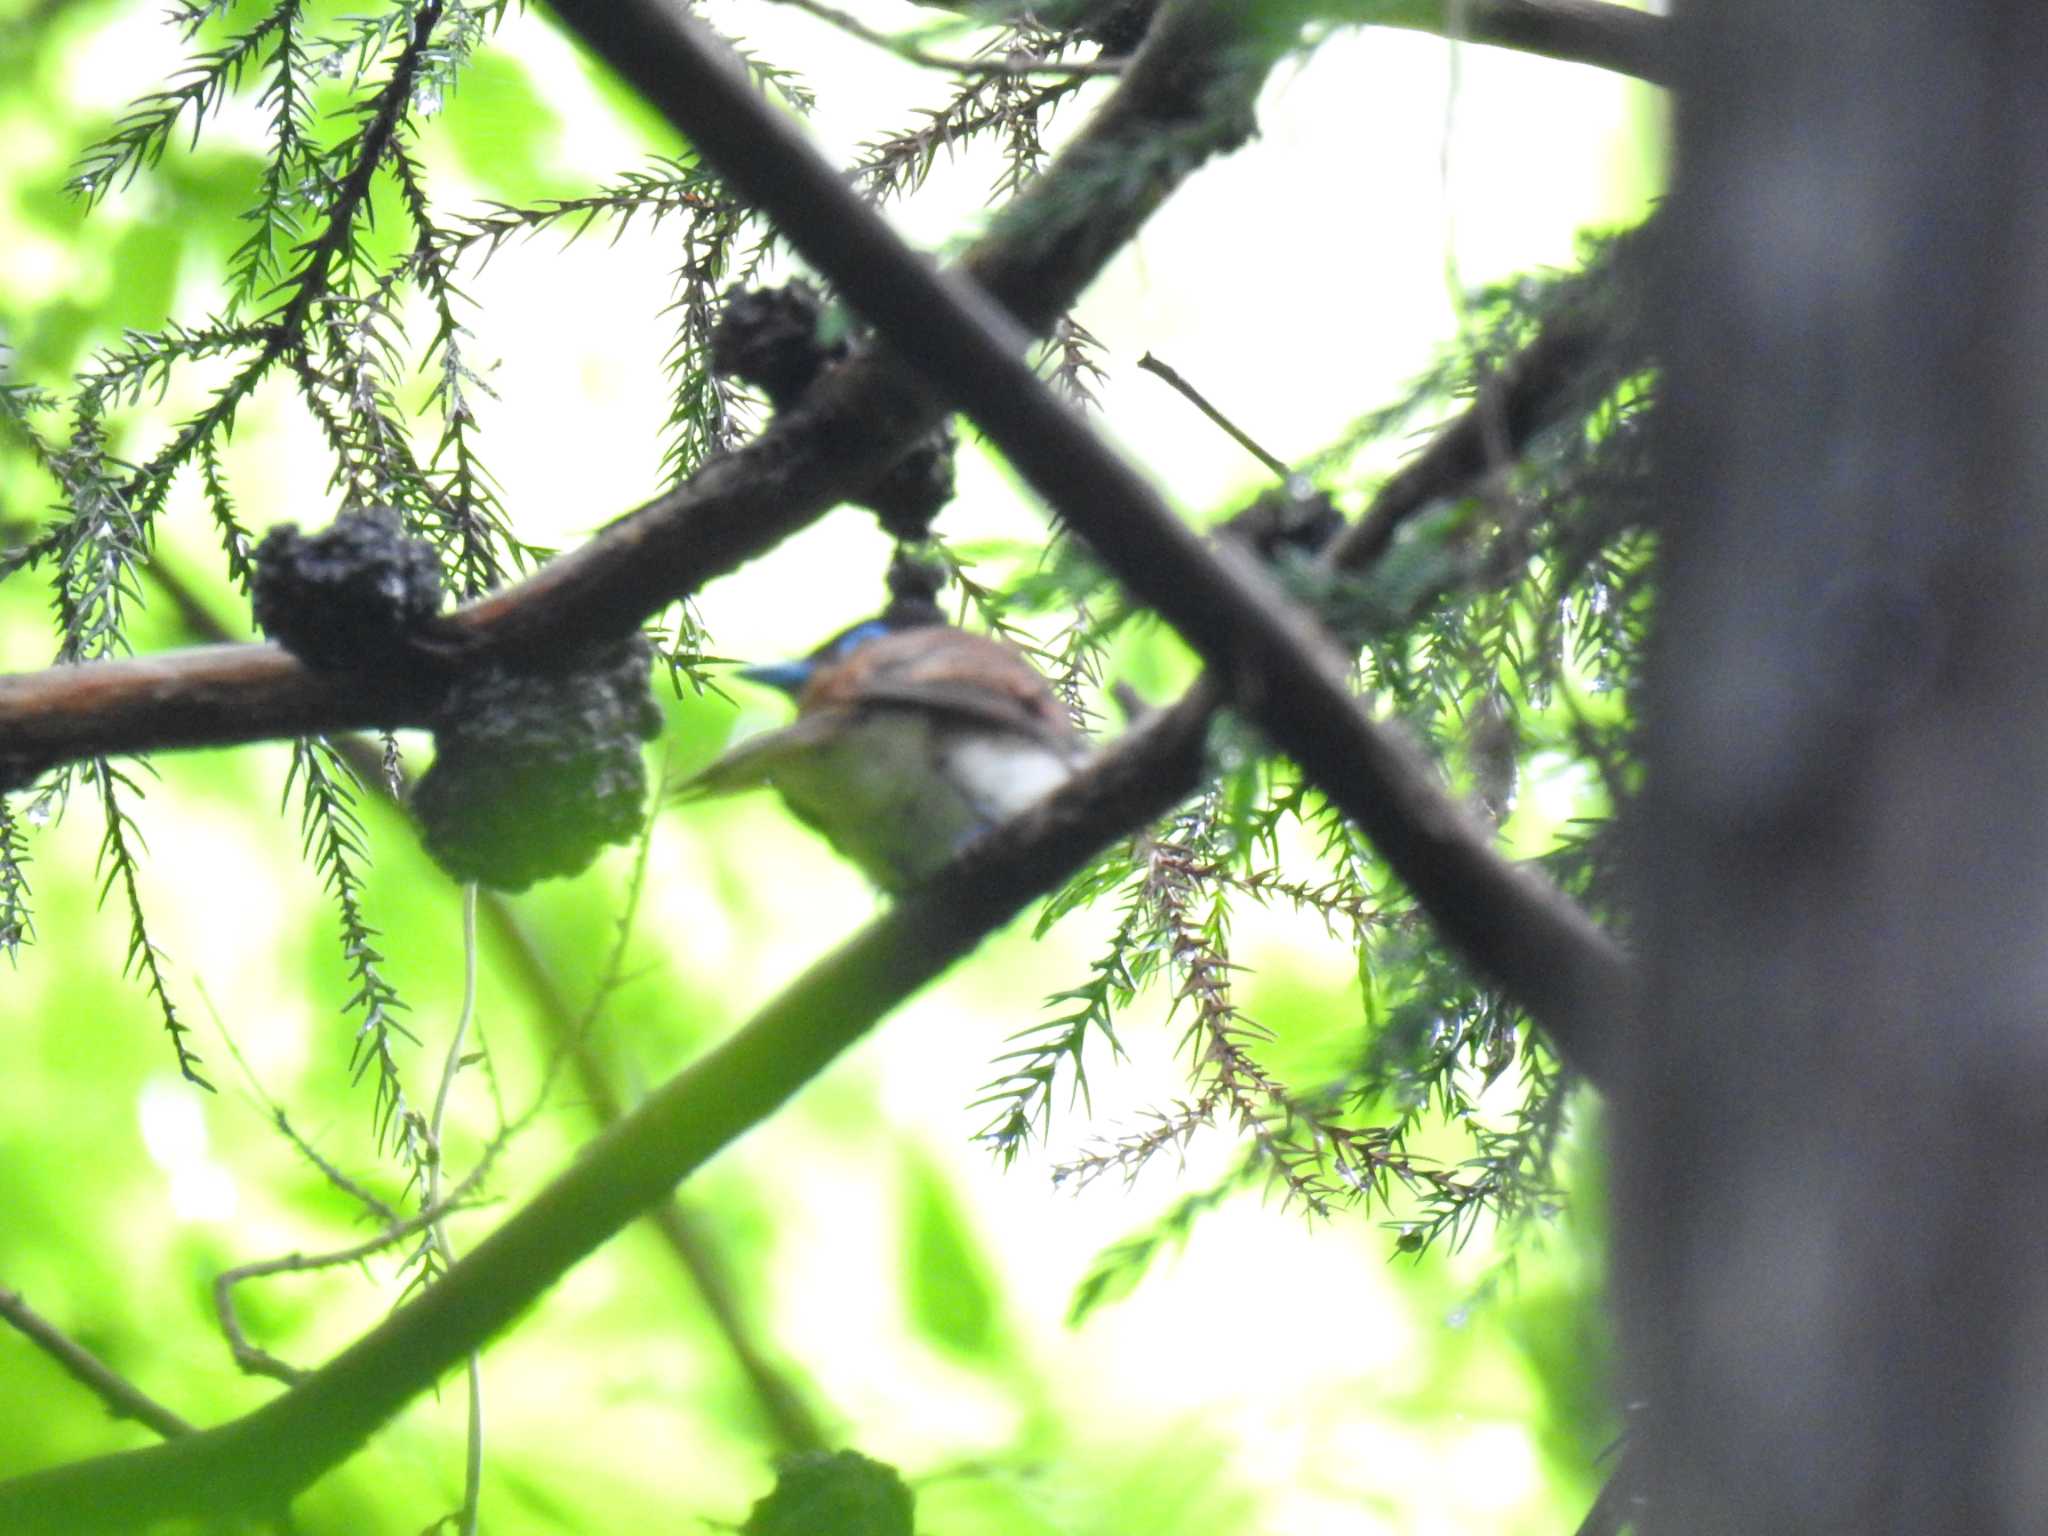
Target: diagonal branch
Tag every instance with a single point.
(123, 1398)
(906, 47)
(258, 1461)
(1595, 32)
(1270, 658)
(1186, 95)
(261, 1460)
(1181, 101)
(1507, 410)
(1271, 661)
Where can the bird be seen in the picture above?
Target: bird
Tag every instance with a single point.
(910, 741)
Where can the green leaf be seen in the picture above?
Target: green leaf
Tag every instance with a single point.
(948, 1286)
(834, 1493)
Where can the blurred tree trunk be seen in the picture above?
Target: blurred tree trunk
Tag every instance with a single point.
(1831, 1148)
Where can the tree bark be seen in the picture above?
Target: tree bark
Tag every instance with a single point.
(1831, 1135)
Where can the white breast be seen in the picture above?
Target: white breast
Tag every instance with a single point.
(1002, 774)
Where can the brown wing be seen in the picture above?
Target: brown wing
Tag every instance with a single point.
(977, 702)
(955, 671)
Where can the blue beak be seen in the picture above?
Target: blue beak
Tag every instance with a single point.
(788, 676)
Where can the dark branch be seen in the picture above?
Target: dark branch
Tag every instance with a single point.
(1618, 1502)
(259, 1461)
(1615, 37)
(215, 695)
(1509, 409)
(1273, 661)
(910, 50)
(1151, 133)
(1131, 783)
(1595, 32)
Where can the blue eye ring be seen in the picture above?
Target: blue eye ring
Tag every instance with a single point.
(853, 639)
(792, 676)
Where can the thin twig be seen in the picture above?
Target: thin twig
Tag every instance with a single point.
(273, 1110)
(785, 1406)
(907, 49)
(473, 1458)
(1618, 1503)
(1200, 402)
(258, 1361)
(123, 1398)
